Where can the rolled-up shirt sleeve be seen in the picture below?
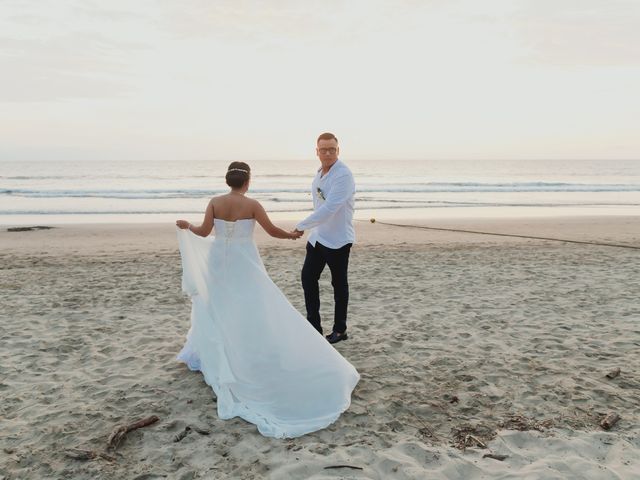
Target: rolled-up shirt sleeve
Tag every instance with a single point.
(340, 193)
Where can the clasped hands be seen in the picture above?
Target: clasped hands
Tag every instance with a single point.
(296, 234)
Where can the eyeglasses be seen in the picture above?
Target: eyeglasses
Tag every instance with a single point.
(331, 150)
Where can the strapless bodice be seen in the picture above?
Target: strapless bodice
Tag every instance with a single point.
(240, 229)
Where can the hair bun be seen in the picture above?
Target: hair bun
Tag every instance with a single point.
(238, 174)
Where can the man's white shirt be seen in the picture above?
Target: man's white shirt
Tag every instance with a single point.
(333, 194)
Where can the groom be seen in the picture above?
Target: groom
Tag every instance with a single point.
(331, 237)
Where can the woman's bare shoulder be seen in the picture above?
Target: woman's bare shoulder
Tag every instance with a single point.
(254, 203)
(217, 199)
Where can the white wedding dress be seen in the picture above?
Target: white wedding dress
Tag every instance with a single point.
(263, 359)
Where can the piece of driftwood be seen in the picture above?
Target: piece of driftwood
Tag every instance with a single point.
(81, 454)
(610, 420)
(495, 456)
(186, 431)
(343, 466)
(28, 229)
(613, 373)
(201, 431)
(479, 442)
(182, 434)
(118, 433)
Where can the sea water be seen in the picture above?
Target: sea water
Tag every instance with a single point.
(50, 192)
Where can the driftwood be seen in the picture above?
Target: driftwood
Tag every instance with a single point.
(613, 373)
(182, 434)
(80, 454)
(186, 431)
(201, 431)
(479, 442)
(495, 456)
(609, 421)
(118, 433)
(343, 466)
(28, 229)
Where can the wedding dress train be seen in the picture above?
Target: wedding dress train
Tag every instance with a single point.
(264, 361)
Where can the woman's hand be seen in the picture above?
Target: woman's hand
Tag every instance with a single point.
(182, 224)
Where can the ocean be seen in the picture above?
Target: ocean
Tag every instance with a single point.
(137, 191)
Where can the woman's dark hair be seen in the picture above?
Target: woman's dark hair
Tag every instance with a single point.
(237, 174)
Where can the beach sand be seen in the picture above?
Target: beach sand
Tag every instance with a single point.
(460, 339)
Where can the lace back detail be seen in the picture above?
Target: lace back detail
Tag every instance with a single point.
(238, 230)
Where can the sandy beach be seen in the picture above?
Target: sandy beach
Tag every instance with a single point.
(467, 345)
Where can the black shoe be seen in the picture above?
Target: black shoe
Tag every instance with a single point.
(336, 337)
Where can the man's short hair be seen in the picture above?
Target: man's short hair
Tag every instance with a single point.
(327, 136)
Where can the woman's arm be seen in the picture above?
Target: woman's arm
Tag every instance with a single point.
(207, 224)
(263, 219)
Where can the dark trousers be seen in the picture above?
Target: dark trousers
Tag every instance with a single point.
(315, 261)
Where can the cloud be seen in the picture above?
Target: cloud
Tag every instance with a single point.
(52, 53)
(212, 74)
(289, 23)
(580, 32)
(76, 65)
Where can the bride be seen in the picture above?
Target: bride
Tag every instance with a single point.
(264, 360)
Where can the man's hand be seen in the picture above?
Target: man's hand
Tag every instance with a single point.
(297, 233)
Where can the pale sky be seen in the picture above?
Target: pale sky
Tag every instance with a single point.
(250, 80)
